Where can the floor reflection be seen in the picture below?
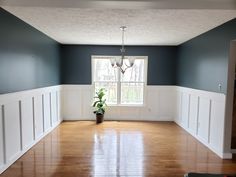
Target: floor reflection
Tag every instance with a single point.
(40, 161)
(118, 153)
(84, 149)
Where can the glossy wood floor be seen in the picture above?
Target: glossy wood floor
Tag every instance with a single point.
(77, 149)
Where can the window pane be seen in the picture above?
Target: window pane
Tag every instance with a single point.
(103, 71)
(132, 93)
(135, 73)
(111, 91)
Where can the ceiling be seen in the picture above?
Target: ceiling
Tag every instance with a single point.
(146, 26)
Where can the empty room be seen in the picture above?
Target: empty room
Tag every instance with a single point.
(109, 88)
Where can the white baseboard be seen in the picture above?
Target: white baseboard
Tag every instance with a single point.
(227, 156)
(233, 151)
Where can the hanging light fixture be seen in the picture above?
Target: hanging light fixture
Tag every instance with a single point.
(119, 62)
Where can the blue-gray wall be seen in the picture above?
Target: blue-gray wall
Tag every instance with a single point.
(203, 61)
(28, 58)
(76, 62)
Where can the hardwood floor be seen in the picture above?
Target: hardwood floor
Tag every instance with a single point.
(77, 149)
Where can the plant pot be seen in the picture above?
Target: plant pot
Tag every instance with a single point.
(99, 118)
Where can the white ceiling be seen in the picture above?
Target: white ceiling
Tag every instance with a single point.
(101, 25)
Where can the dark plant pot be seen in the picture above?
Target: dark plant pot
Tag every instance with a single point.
(99, 118)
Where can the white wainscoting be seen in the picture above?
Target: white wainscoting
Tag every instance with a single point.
(202, 113)
(159, 105)
(26, 117)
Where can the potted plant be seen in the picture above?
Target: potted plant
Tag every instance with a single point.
(100, 105)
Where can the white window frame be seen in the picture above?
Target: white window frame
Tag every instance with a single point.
(145, 58)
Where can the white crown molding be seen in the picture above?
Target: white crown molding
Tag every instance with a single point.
(125, 4)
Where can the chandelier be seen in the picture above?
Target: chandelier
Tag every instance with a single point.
(122, 62)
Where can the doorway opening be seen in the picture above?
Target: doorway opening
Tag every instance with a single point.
(230, 115)
(233, 135)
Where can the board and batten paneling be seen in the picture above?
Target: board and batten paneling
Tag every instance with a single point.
(24, 117)
(193, 114)
(185, 109)
(54, 112)
(37, 112)
(59, 106)
(12, 130)
(166, 98)
(47, 111)
(201, 113)
(217, 124)
(203, 119)
(204, 112)
(159, 105)
(72, 103)
(178, 113)
(38, 116)
(27, 122)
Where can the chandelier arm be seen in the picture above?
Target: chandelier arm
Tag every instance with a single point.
(126, 69)
(128, 66)
(122, 70)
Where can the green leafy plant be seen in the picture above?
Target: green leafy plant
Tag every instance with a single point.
(100, 103)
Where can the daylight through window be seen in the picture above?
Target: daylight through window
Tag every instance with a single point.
(121, 89)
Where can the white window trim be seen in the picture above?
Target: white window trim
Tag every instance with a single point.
(93, 57)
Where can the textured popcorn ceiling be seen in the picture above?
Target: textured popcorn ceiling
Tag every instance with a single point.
(101, 26)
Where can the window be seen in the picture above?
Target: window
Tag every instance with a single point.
(122, 89)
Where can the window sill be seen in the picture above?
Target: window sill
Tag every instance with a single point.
(126, 105)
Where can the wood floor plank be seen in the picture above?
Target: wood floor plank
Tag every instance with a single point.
(82, 148)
